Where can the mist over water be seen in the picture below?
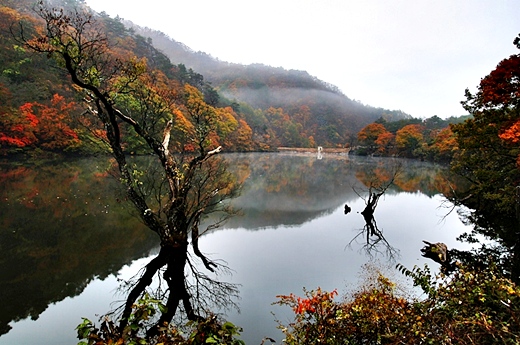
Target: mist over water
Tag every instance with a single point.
(67, 236)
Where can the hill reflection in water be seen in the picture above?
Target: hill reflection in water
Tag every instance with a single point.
(64, 236)
(289, 190)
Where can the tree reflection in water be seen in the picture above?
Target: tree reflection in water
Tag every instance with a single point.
(52, 211)
(375, 242)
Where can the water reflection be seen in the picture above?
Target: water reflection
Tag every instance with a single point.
(371, 240)
(289, 190)
(375, 242)
(63, 227)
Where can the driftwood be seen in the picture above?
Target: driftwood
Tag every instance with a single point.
(438, 252)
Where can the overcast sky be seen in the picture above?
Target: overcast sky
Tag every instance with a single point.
(414, 55)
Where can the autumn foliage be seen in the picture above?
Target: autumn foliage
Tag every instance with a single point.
(39, 125)
(501, 88)
(466, 308)
(290, 108)
(314, 317)
(430, 139)
(46, 116)
(375, 137)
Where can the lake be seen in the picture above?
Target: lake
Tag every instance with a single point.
(67, 236)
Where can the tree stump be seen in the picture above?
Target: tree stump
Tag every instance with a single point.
(438, 252)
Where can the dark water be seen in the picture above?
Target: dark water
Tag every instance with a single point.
(67, 236)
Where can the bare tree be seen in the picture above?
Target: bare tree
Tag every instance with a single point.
(376, 189)
(374, 238)
(123, 96)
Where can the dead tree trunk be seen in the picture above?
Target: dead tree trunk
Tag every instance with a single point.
(439, 253)
(374, 236)
(176, 280)
(371, 204)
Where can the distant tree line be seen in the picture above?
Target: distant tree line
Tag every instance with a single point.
(262, 107)
(429, 139)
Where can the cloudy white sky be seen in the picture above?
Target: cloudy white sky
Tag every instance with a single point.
(414, 55)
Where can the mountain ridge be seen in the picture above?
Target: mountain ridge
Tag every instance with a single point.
(261, 85)
(268, 107)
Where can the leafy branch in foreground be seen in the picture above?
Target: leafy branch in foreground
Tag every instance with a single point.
(208, 331)
(468, 307)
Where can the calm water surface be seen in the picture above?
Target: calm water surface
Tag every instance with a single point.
(67, 236)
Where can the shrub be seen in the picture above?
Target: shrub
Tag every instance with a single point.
(467, 307)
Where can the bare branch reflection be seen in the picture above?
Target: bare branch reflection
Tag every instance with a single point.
(374, 242)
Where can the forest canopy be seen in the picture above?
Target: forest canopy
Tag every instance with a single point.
(261, 108)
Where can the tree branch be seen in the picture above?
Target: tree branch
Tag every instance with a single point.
(195, 243)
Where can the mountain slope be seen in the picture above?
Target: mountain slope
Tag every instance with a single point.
(333, 117)
(265, 107)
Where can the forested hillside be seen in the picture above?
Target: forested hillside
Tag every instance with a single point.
(317, 109)
(258, 107)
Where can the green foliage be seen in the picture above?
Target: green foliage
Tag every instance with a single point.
(394, 126)
(207, 331)
(487, 161)
(422, 277)
(488, 157)
(469, 307)
(210, 331)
